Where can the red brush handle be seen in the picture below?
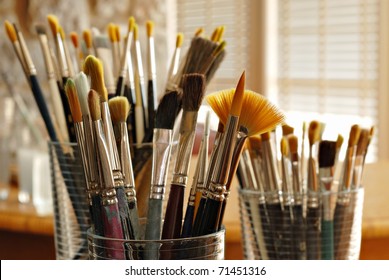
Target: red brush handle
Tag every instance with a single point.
(113, 229)
(173, 215)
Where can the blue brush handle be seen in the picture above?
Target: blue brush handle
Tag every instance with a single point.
(327, 240)
(188, 222)
(153, 228)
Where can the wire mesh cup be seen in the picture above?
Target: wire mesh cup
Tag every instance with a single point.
(325, 225)
(71, 209)
(207, 247)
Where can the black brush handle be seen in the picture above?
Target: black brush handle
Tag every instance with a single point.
(313, 233)
(173, 215)
(131, 125)
(199, 216)
(300, 252)
(188, 222)
(119, 86)
(124, 213)
(268, 234)
(211, 215)
(67, 112)
(343, 222)
(151, 91)
(286, 251)
(275, 215)
(40, 101)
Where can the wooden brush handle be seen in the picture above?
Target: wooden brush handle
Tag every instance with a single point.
(173, 215)
(211, 215)
(112, 229)
(68, 114)
(198, 217)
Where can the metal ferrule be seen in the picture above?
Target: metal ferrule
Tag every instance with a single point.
(270, 173)
(287, 189)
(326, 185)
(110, 137)
(162, 143)
(125, 156)
(26, 54)
(108, 197)
(347, 169)
(79, 131)
(131, 77)
(117, 178)
(297, 191)
(216, 192)
(90, 146)
(358, 170)
(106, 168)
(130, 194)
(62, 56)
(185, 146)
(312, 183)
(212, 160)
(46, 55)
(224, 156)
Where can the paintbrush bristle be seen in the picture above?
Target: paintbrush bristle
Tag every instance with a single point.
(266, 136)
(74, 38)
(74, 104)
(339, 141)
(214, 34)
(167, 110)
(93, 67)
(255, 142)
(355, 132)
(87, 37)
(220, 33)
(237, 101)
(131, 24)
(193, 89)
(150, 28)
(363, 142)
(179, 40)
(220, 102)
(112, 32)
(258, 114)
(327, 153)
(293, 144)
(119, 107)
(284, 147)
(53, 23)
(40, 29)
(117, 32)
(136, 32)
(287, 130)
(199, 32)
(61, 32)
(10, 29)
(94, 105)
(82, 86)
(313, 132)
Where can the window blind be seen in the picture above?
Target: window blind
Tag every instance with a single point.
(210, 14)
(328, 63)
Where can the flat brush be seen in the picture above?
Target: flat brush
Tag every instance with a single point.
(198, 179)
(193, 93)
(110, 209)
(119, 108)
(219, 177)
(327, 152)
(152, 75)
(162, 143)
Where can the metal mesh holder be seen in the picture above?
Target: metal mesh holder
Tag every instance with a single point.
(276, 231)
(71, 210)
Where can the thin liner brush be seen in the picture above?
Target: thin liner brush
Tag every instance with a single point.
(95, 181)
(339, 143)
(119, 108)
(217, 184)
(52, 81)
(198, 179)
(302, 157)
(152, 76)
(298, 213)
(327, 152)
(162, 144)
(114, 48)
(313, 212)
(110, 209)
(141, 96)
(193, 93)
(87, 37)
(76, 44)
(175, 62)
(69, 59)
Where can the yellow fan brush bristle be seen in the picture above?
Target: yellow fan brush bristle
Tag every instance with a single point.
(74, 103)
(93, 67)
(220, 103)
(119, 107)
(10, 29)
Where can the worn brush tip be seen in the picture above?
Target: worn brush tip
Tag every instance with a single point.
(214, 35)
(136, 31)
(313, 132)
(284, 146)
(355, 132)
(119, 107)
(199, 32)
(93, 67)
(53, 23)
(293, 143)
(193, 89)
(179, 40)
(339, 141)
(74, 103)
(287, 130)
(94, 105)
(220, 33)
(237, 102)
(10, 29)
(167, 110)
(87, 37)
(327, 153)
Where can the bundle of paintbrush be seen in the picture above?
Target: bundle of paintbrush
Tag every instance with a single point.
(297, 219)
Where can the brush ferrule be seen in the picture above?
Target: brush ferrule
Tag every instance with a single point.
(224, 156)
(125, 155)
(108, 197)
(46, 55)
(104, 155)
(216, 191)
(26, 54)
(131, 78)
(126, 57)
(80, 136)
(348, 166)
(62, 56)
(118, 178)
(297, 191)
(90, 145)
(157, 192)
(162, 142)
(326, 175)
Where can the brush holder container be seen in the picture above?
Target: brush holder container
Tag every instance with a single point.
(71, 209)
(207, 247)
(325, 225)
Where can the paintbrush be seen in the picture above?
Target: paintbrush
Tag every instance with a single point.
(119, 108)
(162, 144)
(193, 93)
(152, 76)
(363, 142)
(112, 34)
(88, 41)
(110, 210)
(76, 45)
(94, 180)
(298, 211)
(327, 152)
(198, 179)
(141, 99)
(313, 202)
(55, 94)
(175, 62)
(69, 58)
(219, 177)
